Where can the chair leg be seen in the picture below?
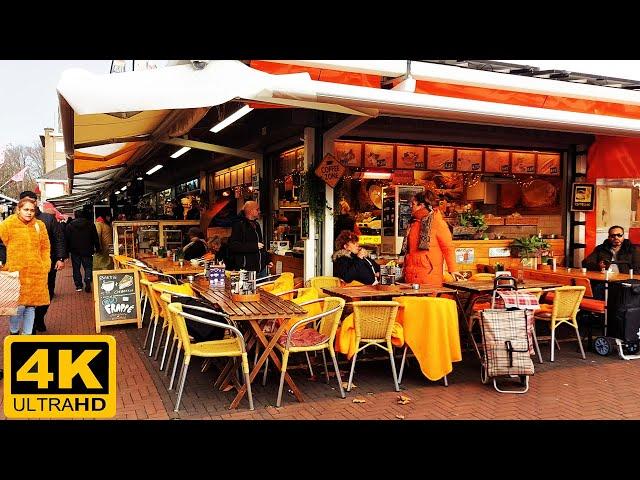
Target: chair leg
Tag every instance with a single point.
(205, 365)
(155, 357)
(309, 363)
(144, 305)
(446, 382)
(285, 361)
(153, 336)
(404, 358)
(175, 365)
(575, 325)
(166, 346)
(326, 370)
(255, 357)
(247, 378)
(536, 346)
(553, 340)
(151, 322)
(183, 379)
(266, 370)
(335, 366)
(353, 366)
(393, 367)
(171, 350)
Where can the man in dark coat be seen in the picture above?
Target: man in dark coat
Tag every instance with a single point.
(246, 243)
(82, 242)
(615, 252)
(58, 256)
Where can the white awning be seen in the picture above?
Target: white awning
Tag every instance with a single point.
(87, 185)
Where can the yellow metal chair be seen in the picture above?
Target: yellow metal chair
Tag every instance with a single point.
(228, 347)
(164, 300)
(566, 303)
(326, 326)
(373, 322)
(282, 283)
(155, 289)
(320, 282)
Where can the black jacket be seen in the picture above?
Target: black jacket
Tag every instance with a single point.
(243, 247)
(194, 249)
(628, 257)
(82, 238)
(56, 239)
(349, 267)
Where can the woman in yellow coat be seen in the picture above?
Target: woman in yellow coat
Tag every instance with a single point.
(427, 245)
(28, 248)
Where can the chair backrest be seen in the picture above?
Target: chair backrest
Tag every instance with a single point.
(153, 300)
(329, 324)
(567, 301)
(586, 283)
(283, 283)
(159, 288)
(533, 291)
(320, 282)
(374, 320)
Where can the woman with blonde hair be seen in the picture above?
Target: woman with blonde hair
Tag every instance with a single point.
(28, 248)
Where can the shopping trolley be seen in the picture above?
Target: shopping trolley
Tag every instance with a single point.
(622, 327)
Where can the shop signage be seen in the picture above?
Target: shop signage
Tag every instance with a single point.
(497, 161)
(523, 162)
(378, 155)
(370, 239)
(499, 252)
(583, 197)
(116, 296)
(548, 164)
(440, 158)
(410, 156)
(465, 255)
(402, 177)
(348, 154)
(468, 160)
(330, 170)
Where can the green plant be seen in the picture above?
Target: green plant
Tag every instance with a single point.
(532, 246)
(315, 194)
(473, 218)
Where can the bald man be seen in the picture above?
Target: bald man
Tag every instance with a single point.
(246, 243)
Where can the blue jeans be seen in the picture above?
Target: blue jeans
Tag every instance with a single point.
(87, 264)
(24, 318)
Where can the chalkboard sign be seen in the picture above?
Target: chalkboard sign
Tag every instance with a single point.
(116, 296)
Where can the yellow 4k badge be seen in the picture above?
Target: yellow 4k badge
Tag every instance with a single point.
(60, 376)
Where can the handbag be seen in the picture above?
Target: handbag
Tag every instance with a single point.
(9, 292)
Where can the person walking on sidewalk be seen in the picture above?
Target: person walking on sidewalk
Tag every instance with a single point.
(58, 249)
(28, 252)
(82, 243)
(102, 260)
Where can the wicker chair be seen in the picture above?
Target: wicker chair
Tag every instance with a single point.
(320, 282)
(229, 347)
(566, 303)
(373, 322)
(326, 325)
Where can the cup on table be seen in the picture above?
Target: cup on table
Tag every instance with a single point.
(190, 278)
(181, 263)
(584, 270)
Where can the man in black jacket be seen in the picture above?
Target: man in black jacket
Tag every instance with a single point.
(616, 253)
(82, 242)
(246, 243)
(58, 256)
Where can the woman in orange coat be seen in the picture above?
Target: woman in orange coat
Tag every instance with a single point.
(27, 243)
(428, 243)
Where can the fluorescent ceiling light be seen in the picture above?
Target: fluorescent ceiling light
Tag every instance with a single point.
(139, 178)
(105, 199)
(117, 192)
(154, 169)
(376, 175)
(182, 151)
(123, 188)
(231, 118)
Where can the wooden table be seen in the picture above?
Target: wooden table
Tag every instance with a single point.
(269, 307)
(368, 292)
(169, 267)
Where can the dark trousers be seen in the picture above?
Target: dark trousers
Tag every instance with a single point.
(87, 265)
(41, 310)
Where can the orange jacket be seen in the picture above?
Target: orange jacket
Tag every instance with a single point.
(425, 266)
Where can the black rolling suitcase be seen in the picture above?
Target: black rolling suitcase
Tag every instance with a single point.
(623, 320)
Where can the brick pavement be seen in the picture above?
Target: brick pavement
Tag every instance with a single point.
(570, 388)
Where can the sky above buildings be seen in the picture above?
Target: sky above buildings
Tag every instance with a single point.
(29, 101)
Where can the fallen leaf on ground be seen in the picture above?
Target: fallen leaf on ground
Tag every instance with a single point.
(359, 400)
(401, 417)
(402, 400)
(346, 384)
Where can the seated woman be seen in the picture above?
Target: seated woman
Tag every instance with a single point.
(350, 261)
(196, 247)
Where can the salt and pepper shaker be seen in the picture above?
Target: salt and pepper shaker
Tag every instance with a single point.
(631, 273)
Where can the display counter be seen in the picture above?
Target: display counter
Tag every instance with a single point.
(133, 237)
(287, 263)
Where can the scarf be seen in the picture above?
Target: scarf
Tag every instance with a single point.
(425, 233)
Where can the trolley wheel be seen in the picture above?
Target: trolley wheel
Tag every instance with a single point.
(602, 346)
(630, 348)
(484, 377)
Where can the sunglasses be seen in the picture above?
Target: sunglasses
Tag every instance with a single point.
(619, 235)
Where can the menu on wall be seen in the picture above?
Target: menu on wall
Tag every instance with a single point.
(548, 164)
(116, 297)
(410, 156)
(468, 160)
(523, 162)
(440, 158)
(378, 155)
(348, 153)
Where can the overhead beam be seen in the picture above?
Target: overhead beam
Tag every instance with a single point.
(210, 147)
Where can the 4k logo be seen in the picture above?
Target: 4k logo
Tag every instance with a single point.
(60, 376)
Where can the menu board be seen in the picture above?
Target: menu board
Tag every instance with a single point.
(496, 162)
(116, 296)
(440, 158)
(468, 160)
(349, 154)
(378, 155)
(410, 156)
(523, 162)
(548, 164)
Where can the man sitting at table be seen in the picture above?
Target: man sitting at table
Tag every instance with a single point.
(616, 253)
(351, 262)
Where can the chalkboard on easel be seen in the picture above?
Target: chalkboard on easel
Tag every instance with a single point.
(116, 296)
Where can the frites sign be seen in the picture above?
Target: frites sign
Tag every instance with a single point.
(330, 170)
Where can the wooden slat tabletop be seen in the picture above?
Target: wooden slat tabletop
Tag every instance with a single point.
(369, 291)
(487, 286)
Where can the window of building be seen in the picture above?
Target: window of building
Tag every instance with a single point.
(59, 146)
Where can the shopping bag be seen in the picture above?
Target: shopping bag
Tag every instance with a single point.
(506, 343)
(9, 292)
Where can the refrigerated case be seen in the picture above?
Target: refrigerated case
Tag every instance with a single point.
(133, 237)
(396, 215)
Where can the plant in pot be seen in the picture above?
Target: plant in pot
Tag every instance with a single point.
(529, 247)
(473, 219)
